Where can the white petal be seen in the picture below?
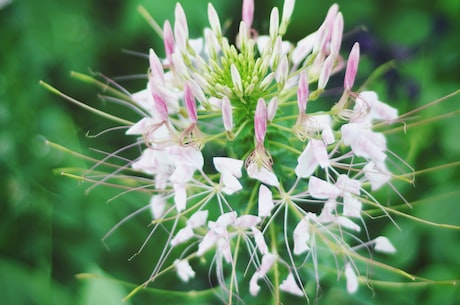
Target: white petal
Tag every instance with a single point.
(247, 221)
(267, 262)
(348, 185)
(352, 279)
(351, 206)
(377, 174)
(182, 236)
(263, 175)
(228, 165)
(289, 285)
(208, 242)
(265, 201)
(180, 196)
(184, 270)
(157, 206)
(260, 241)
(302, 235)
(226, 219)
(383, 244)
(223, 246)
(254, 288)
(231, 184)
(321, 189)
(347, 223)
(197, 219)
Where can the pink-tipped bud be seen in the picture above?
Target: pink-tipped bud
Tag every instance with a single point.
(227, 114)
(260, 121)
(337, 32)
(156, 67)
(168, 38)
(352, 67)
(190, 103)
(326, 72)
(248, 12)
(302, 92)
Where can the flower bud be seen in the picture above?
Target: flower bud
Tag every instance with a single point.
(352, 67)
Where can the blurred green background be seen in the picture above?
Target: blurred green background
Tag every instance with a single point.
(51, 230)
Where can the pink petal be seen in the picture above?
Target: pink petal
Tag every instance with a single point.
(227, 114)
(260, 121)
(248, 12)
(302, 92)
(190, 103)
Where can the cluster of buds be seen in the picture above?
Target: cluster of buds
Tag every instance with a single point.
(246, 178)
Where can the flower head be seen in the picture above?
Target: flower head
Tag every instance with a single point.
(211, 107)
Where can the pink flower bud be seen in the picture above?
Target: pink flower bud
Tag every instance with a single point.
(168, 38)
(260, 121)
(302, 92)
(190, 103)
(227, 114)
(337, 32)
(248, 12)
(352, 67)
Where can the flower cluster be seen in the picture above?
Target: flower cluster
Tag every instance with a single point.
(254, 167)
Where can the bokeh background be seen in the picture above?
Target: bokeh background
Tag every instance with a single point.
(51, 229)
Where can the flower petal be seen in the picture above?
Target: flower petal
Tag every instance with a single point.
(290, 285)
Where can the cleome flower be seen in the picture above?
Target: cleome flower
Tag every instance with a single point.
(247, 179)
(307, 175)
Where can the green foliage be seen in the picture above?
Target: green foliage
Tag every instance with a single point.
(50, 230)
